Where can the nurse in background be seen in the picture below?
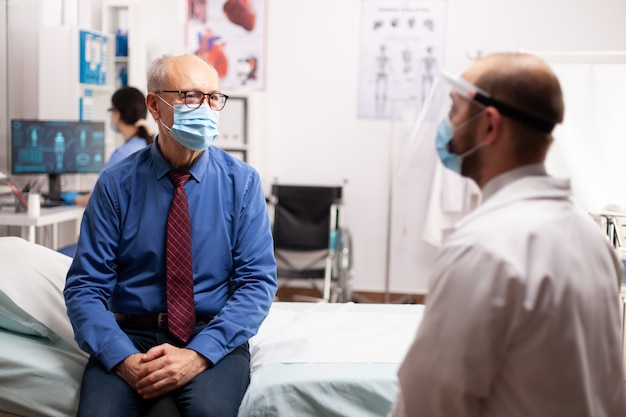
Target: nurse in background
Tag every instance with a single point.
(522, 314)
(128, 117)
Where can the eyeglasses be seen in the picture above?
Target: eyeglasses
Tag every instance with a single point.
(194, 98)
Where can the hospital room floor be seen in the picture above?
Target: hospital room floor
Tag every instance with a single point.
(298, 293)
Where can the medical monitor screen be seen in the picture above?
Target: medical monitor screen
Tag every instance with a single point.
(56, 147)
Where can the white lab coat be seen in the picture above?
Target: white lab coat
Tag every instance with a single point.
(522, 314)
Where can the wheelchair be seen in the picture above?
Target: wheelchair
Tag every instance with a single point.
(310, 244)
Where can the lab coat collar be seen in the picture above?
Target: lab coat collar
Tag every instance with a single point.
(503, 179)
(528, 187)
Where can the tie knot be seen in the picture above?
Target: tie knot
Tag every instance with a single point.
(179, 178)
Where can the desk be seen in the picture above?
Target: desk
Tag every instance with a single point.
(49, 216)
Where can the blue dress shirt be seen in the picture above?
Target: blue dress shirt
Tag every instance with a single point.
(120, 259)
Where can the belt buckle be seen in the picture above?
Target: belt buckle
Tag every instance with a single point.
(161, 320)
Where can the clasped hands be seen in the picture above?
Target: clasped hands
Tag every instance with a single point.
(160, 370)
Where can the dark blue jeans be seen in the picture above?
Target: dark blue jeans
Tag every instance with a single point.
(216, 392)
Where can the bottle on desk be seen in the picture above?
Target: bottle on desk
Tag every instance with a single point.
(34, 204)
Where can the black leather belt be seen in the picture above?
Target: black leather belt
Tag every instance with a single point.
(155, 320)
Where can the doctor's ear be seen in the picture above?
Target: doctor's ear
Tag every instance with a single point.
(493, 124)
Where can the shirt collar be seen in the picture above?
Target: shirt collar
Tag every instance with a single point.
(508, 177)
(162, 167)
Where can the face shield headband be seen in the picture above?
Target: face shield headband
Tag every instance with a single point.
(482, 98)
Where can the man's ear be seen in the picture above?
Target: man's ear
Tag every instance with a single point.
(492, 125)
(151, 103)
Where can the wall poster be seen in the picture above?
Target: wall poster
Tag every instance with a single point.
(94, 58)
(402, 48)
(230, 34)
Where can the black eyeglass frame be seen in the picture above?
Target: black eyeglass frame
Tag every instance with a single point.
(206, 96)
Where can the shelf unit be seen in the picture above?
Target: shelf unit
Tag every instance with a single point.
(233, 128)
(124, 16)
(75, 74)
(115, 21)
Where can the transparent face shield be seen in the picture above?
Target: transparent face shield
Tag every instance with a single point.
(438, 104)
(462, 87)
(421, 141)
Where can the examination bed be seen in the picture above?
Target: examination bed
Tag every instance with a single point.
(308, 359)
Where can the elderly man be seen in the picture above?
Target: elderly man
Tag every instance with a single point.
(174, 269)
(522, 314)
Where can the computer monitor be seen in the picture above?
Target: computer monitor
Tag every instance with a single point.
(56, 147)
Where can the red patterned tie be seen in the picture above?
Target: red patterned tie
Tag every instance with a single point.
(181, 317)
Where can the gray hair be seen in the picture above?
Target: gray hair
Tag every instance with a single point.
(157, 73)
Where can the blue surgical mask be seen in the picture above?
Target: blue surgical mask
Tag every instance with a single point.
(195, 129)
(445, 133)
(112, 123)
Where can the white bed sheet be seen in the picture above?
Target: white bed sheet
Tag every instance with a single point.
(39, 377)
(335, 333)
(321, 389)
(328, 359)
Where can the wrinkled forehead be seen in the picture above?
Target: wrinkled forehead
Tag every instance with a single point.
(190, 73)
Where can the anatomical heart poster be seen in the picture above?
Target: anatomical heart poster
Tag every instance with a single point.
(230, 34)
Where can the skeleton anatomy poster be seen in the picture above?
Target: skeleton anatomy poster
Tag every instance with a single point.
(402, 47)
(230, 34)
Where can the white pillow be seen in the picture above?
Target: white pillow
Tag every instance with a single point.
(13, 318)
(31, 290)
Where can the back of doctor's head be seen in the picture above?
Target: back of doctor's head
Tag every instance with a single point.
(131, 104)
(526, 82)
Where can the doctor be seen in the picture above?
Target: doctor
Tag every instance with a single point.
(522, 314)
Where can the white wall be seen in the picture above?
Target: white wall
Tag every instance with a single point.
(313, 49)
(304, 126)
(314, 135)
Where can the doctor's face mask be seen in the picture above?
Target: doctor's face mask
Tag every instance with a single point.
(445, 134)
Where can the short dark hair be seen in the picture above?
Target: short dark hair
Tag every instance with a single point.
(534, 89)
(131, 103)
